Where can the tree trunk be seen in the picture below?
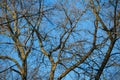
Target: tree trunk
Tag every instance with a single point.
(24, 70)
(106, 59)
(53, 67)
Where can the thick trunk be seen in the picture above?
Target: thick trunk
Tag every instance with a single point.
(24, 77)
(24, 70)
(106, 59)
(52, 71)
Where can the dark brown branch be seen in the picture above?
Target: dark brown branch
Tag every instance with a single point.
(7, 68)
(11, 59)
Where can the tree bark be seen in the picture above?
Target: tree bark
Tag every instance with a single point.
(106, 59)
(53, 67)
(24, 70)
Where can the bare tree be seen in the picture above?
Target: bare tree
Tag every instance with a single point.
(55, 39)
(109, 24)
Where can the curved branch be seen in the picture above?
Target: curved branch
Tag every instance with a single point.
(7, 68)
(76, 65)
(11, 59)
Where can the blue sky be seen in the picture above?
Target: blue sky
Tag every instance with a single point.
(58, 18)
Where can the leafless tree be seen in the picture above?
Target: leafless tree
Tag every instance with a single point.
(59, 39)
